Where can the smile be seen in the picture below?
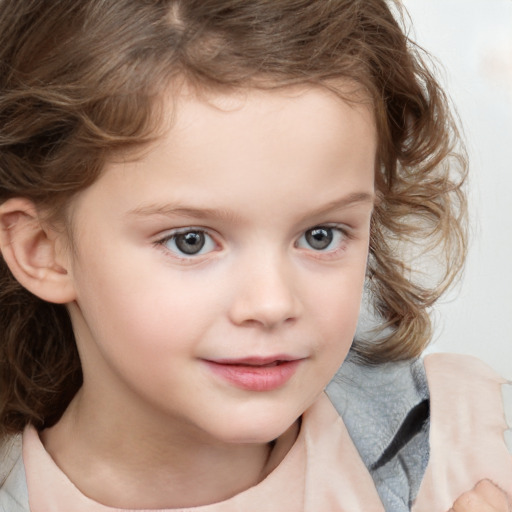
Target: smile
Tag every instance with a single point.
(255, 374)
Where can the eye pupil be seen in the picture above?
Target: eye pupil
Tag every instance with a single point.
(191, 242)
(319, 238)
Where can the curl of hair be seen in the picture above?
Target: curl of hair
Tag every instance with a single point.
(80, 81)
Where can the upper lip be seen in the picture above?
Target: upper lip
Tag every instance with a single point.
(256, 360)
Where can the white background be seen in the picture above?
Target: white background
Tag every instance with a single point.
(472, 40)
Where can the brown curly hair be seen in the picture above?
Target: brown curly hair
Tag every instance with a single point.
(81, 79)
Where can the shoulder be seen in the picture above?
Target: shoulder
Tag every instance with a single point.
(455, 366)
(421, 422)
(463, 384)
(506, 392)
(13, 487)
(10, 452)
(470, 421)
(464, 388)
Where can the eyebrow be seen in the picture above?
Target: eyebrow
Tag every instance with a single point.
(177, 209)
(170, 210)
(345, 202)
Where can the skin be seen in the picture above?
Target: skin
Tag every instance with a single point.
(255, 171)
(484, 497)
(259, 171)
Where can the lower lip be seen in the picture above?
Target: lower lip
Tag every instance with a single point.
(256, 378)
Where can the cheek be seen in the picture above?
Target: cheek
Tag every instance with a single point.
(337, 302)
(333, 314)
(145, 305)
(335, 309)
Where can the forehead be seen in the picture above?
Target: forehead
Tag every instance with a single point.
(248, 146)
(253, 123)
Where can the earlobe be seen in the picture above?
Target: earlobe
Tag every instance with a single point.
(34, 252)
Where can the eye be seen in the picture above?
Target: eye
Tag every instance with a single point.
(192, 242)
(322, 238)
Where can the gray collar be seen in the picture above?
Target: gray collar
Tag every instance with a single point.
(386, 411)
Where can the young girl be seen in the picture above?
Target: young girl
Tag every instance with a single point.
(194, 196)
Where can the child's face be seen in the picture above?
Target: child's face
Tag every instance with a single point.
(241, 237)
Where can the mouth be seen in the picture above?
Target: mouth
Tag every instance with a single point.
(258, 361)
(255, 373)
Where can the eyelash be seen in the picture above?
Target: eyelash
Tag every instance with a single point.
(173, 237)
(340, 235)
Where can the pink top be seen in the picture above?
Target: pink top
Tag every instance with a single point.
(323, 470)
(467, 429)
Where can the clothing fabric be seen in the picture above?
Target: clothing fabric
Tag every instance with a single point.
(467, 433)
(386, 411)
(367, 445)
(13, 486)
(321, 470)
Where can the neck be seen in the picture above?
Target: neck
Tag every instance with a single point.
(169, 466)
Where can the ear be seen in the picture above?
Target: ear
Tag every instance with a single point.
(36, 253)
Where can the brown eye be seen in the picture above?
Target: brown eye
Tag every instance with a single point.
(319, 238)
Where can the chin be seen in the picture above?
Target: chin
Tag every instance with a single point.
(260, 430)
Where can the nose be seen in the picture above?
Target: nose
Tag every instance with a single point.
(265, 294)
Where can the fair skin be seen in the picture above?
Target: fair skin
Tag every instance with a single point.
(277, 189)
(275, 193)
(484, 497)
